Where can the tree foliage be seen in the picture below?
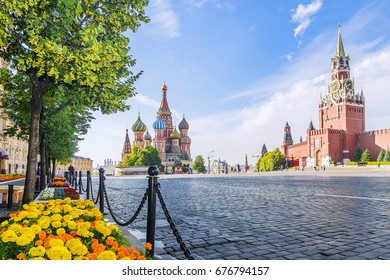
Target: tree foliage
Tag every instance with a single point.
(358, 153)
(79, 45)
(380, 156)
(199, 165)
(142, 157)
(271, 161)
(366, 156)
(387, 156)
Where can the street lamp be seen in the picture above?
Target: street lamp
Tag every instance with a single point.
(210, 157)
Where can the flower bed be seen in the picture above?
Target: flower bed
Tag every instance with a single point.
(59, 182)
(9, 177)
(55, 193)
(63, 230)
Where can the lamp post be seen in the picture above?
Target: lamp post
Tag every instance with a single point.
(208, 158)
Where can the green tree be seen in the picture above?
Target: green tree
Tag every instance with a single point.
(199, 165)
(358, 153)
(142, 157)
(76, 44)
(366, 156)
(387, 156)
(380, 156)
(271, 161)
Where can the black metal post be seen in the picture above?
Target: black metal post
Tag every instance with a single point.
(80, 183)
(151, 214)
(88, 183)
(101, 194)
(10, 196)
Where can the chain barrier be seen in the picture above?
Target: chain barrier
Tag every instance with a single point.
(89, 181)
(153, 185)
(132, 219)
(176, 233)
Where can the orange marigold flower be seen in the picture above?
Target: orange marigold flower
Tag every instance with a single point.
(42, 235)
(39, 242)
(21, 256)
(92, 256)
(148, 246)
(141, 258)
(73, 233)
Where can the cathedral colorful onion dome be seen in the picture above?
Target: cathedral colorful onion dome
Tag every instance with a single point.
(183, 124)
(175, 134)
(159, 124)
(138, 125)
(147, 136)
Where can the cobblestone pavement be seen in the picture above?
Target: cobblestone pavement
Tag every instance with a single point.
(288, 218)
(265, 217)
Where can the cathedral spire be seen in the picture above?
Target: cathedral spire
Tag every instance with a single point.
(339, 45)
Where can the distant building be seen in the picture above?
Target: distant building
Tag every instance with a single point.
(13, 152)
(174, 146)
(341, 122)
(80, 164)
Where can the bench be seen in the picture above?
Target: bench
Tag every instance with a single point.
(17, 193)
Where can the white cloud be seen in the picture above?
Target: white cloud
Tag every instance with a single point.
(163, 19)
(196, 3)
(225, 5)
(303, 15)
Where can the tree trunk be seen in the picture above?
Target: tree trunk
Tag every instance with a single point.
(43, 162)
(54, 167)
(32, 162)
(42, 149)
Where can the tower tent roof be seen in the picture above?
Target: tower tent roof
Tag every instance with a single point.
(339, 45)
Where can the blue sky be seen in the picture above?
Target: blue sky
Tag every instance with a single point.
(239, 69)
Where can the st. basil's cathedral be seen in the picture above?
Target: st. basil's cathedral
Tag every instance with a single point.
(174, 146)
(341, 122)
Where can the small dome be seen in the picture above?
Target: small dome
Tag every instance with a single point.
(138, 125)
(164, 87)
(183, 124)
(175, 134)
(147, 136)
(159, 124)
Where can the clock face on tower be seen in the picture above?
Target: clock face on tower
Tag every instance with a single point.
(334, 86)
(348, 84)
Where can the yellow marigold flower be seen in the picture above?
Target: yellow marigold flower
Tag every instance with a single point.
(15, 227)
(36, 229)
(72, 225)
(75, 215)
(67, 200)
(9, 236)
(114, 228)
(56, 224)
(83, 225)
(46, 213)
(38, 258)
(23, 214)
(23, 240)
(32, 215)
(56, 242)
(67, 217)
(107, 255)
(56, 217)
(59, 253)
(84, 233)
(125, 258)
(25, 206)
(44, 222)
(67, 208)
(38, 251)
(60, 231)
(4, 224)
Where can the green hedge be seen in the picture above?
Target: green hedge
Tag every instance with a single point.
(353, 163)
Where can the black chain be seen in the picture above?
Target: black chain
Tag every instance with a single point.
(183, 246)
(97, 198)
(116, 218)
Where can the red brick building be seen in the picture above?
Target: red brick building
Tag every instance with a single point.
(341, 122)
